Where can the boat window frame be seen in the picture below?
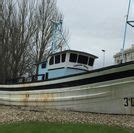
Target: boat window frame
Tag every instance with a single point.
(63, 58)
(43, 65)
(71, 59)
(91, 63)
(51, 61)
(81, 60)
(57, 59)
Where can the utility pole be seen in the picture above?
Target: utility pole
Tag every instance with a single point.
(103, 56)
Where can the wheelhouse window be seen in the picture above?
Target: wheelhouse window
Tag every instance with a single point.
(51, 61)
(63, 57)
(91, 61)
(73, 57)
(82, 59)
(43, 65)
(57, 59)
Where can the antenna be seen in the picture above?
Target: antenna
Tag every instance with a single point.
(130, 23)
(57, 31)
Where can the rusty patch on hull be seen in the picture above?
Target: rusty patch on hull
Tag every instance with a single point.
(38, 98)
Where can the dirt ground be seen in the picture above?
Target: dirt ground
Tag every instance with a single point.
(11, 114)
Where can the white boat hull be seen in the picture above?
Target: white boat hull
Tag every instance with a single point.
(112, 97)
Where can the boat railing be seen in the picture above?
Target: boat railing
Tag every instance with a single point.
(29, 79)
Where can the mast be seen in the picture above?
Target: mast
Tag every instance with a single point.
(125, 32)
(57, 34)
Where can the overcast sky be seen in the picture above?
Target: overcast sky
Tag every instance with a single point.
(97, 24)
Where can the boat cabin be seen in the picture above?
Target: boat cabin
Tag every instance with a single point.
(65, 63)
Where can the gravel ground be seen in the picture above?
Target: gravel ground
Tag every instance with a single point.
(11, 114)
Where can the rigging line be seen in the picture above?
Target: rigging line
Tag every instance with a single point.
(64, 40)
(125, 32)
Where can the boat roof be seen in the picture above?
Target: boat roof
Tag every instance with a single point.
(69, 51)
(74, 51)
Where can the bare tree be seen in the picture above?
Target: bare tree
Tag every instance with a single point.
(1, 72)
(26, 35)
(18, 28)
(46, 12)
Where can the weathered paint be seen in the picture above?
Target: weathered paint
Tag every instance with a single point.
(102, 97)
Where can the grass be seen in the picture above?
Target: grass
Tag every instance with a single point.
(40, 127)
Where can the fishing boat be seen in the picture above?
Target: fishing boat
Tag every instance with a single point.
(66, 80)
